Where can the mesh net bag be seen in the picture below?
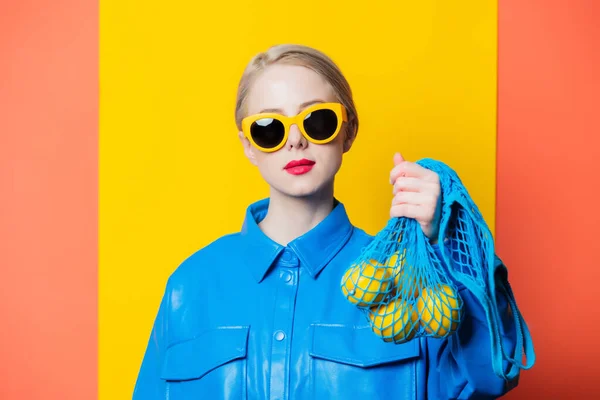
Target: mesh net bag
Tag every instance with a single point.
(406, 291)
(400, 285)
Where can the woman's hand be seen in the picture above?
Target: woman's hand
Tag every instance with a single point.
(417, 195)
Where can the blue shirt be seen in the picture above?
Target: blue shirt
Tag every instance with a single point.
(248, 318)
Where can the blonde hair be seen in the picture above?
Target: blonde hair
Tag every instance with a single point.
(293, 54)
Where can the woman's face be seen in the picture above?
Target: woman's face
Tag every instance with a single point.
(287, 90)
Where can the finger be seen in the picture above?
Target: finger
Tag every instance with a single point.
(409, 184)
(398, 159)
(422, 199)
(396, 172)
(414, 211)
(407, 198)
(411, 169)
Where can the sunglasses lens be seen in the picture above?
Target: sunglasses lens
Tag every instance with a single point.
(321, 124)
(267, 132)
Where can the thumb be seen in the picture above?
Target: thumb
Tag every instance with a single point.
(398, 158)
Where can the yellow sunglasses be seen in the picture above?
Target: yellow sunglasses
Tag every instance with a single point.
(319, 123)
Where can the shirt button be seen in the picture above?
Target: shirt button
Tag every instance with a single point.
(286, 276)
(279, 336)
(287, 256)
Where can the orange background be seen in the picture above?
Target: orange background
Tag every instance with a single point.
(548, 186)
(48, 199)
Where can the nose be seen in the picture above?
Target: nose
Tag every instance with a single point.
(296, 139)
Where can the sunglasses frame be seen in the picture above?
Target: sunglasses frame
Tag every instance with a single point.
(337, 108)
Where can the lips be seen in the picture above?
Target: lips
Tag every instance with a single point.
(299, 163)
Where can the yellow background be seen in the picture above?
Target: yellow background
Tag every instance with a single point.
(172, 173)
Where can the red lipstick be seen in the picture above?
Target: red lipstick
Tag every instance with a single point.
(299, 167)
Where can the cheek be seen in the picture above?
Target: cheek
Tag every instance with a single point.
(331, 157)
(267, 162)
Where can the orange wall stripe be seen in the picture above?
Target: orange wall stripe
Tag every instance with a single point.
(547, 195)
(48, 199)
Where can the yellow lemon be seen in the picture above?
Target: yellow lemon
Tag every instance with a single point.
(367, 284)
(398, 274)
(393, 259)
(439, 310)
(412, 289)
(395, 321)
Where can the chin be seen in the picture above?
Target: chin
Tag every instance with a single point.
(299, 194)
(301, 187)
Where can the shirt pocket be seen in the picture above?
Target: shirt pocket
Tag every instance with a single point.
(212, 365)
(351, 362)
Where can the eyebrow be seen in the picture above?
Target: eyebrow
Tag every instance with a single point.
(302, 106)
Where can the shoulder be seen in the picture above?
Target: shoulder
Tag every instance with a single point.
(205, 258)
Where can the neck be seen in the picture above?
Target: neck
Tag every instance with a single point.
(290, 217)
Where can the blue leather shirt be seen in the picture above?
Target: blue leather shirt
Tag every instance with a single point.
(247, 318)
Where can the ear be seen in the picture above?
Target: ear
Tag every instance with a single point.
(248, 149)
(349, 136)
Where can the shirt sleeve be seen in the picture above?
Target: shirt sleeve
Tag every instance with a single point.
(460, 366)
(149, 385)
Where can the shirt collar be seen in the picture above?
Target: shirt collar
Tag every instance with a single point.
(315, 249)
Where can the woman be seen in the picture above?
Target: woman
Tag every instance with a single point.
(259, 314)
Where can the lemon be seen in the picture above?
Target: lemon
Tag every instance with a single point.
(398, 274)
(439, 310)
(395, 321)
(393, 259)
(367, 284)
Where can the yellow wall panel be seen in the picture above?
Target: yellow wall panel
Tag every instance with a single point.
(172, 173)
